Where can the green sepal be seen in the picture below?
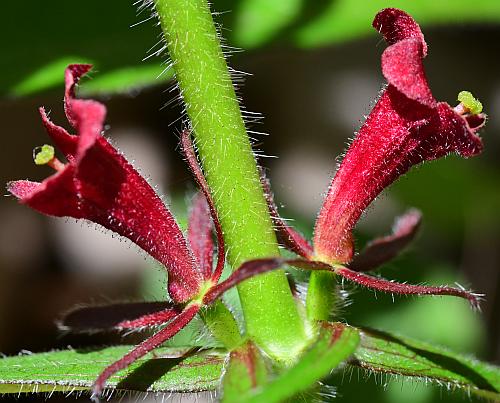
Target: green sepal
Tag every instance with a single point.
(335, 344)
(245, 372)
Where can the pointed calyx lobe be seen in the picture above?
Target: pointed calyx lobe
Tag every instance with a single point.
(406, 127)
(383, 249)
(98, 184)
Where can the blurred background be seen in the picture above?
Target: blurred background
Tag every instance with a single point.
(315, 73)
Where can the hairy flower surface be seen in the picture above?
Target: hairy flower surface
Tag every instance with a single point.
(406, 127)
(98, 184)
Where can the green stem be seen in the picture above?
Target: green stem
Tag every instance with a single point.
(271, 316)
(221, 323)
(321, 296)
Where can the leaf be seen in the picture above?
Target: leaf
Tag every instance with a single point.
(45, 76)
(383, 352)
(166, 370)
(342, 20)
(46, 36)
(52, 34)
(126, 80)
(257, 21)
(335, 344)
(246, 371)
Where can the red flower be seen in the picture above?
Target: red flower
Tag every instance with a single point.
(98, 184)
(406, 127)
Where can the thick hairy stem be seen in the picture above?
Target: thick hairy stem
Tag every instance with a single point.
(271, 316)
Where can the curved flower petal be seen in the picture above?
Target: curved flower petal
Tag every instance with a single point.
(72, 76)
(66, 142)
(56, 195)
(405, 128)
(395, 25)
(402, 66)
(100, 185)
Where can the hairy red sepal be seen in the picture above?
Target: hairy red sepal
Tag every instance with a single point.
(406, 127)
(287, 235)
(200, 234)
(118, 316)
(255, 267)
(188, 149)
(380, 284)
(381, 250)
(245, 271)
(98, 184)
(149, 320)
(146, 346)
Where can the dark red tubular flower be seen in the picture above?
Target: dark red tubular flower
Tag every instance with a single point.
(406, 127)
(202, 220)
(98, 184)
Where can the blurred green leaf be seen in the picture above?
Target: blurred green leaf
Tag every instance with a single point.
(45, 76)
(342, 20)
(46, 36)
(452, 179)
(246, 371)
(168, 370)
(257, 21)
(399, 390)
(335, 344)
(126, 80)
(385, 353)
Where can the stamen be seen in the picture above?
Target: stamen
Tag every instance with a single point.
(55, 164)
(468, 104)
(44, 155)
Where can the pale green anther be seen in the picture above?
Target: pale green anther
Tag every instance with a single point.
(472, 104)
(43, 155)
